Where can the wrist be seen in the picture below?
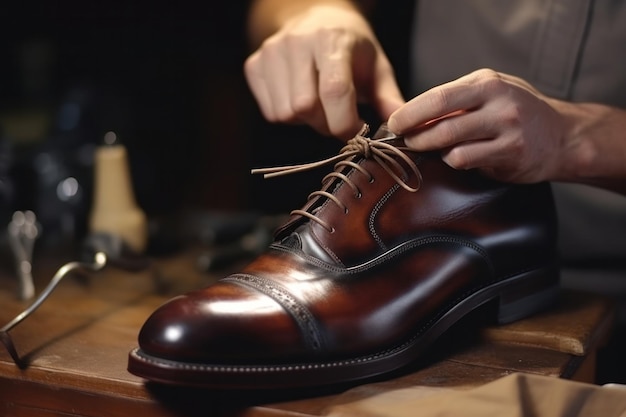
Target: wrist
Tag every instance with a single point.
(594, 146)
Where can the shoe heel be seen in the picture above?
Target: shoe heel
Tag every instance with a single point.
(528, 293)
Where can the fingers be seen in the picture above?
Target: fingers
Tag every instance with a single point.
(493, 122)
(337, 90)
(478, 106)
(495, 158)
(466, 93)
(254, 76)
(476, 154)
(276, 71)
(293, 84)
(303, 101)
(454, 129)
(317, 68)
(386, 96)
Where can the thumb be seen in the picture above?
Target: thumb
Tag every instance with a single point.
(386, 95)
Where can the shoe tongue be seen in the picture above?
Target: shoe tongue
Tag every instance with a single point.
(297, 232)
(292, 241)
(301, 240)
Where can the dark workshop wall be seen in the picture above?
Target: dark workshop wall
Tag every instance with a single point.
(167, 77)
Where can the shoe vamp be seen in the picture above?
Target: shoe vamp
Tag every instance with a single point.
(386, 215)
(358, 311)
(219, 324)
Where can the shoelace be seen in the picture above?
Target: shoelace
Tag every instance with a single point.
(378, 150)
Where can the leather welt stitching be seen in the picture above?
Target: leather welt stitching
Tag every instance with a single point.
(374, 213)
(301, 314)
(427, 241)
(398, 250)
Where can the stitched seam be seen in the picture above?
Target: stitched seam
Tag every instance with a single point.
(412, 244)
(374, 213)
(305, 320)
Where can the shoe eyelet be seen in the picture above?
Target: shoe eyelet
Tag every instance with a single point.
(332, 230)
(346, 211)
(372, 179)
(358, 195)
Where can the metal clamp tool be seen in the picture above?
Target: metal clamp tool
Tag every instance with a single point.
(22, 234)
(98, 263)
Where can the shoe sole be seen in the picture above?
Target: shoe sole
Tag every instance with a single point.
(517, 297)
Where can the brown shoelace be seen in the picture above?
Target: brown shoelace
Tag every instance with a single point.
(360, 145)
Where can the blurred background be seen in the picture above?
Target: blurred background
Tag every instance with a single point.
(168, 79)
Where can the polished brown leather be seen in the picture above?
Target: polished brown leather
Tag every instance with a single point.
(368, 287)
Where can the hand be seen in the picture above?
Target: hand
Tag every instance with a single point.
(316, 68)
(491, 121)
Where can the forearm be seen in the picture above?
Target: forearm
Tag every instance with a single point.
(268, 16)
(595, 146)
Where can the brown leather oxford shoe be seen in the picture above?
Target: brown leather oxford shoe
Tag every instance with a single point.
(391, 252)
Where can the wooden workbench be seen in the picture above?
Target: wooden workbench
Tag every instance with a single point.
(75, 351)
